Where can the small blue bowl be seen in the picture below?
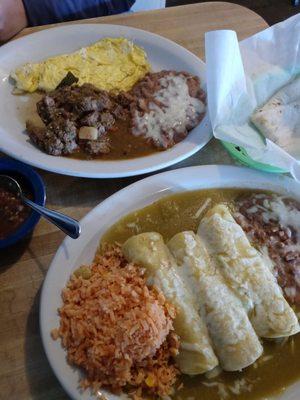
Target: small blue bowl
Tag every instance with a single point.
(35, 184)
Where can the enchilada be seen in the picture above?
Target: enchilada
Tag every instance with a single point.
(248, 274)
(234, 339)
(196, 355)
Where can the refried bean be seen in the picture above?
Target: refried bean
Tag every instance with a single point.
(165, 106)
(272, 222)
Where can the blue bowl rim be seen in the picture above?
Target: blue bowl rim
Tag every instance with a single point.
(39, 194)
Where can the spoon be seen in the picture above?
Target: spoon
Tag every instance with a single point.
(67, 224)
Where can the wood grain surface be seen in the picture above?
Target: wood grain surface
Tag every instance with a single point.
(24, 370)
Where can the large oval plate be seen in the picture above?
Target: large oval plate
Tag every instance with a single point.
(73, 253)
(14, 110)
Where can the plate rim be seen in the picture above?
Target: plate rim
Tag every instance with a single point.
(285, 183)
(154, 165)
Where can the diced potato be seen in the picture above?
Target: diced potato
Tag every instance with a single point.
(88, 133)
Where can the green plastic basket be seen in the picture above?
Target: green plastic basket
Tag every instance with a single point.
(241, 155)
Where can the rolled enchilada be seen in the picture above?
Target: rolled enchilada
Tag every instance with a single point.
(247, 274)
(234, 339)
(196, 355)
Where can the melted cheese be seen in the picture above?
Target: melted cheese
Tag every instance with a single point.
(179, 110)
(287, 216)
(239, 386)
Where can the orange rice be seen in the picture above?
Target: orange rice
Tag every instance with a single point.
(117, 329)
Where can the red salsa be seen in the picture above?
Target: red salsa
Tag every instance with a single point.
(12, 211)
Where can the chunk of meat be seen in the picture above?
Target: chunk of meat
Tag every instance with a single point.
(103, 121)
(73, 100)
(46, 109)
(58, 138)
(96, 147)
(107, 120)
(120, 112)
(90, 119)
(87, 104)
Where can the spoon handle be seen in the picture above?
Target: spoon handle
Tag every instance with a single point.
(67, 224)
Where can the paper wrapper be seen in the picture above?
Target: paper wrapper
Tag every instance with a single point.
(243, 76)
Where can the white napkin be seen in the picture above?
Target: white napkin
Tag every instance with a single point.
(243, 76)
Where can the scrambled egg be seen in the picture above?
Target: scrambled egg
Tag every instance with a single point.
(109, 64)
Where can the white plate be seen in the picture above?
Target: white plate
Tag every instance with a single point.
(162, 53)
(73, 253)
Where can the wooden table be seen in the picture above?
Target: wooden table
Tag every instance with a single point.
(24, 370)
